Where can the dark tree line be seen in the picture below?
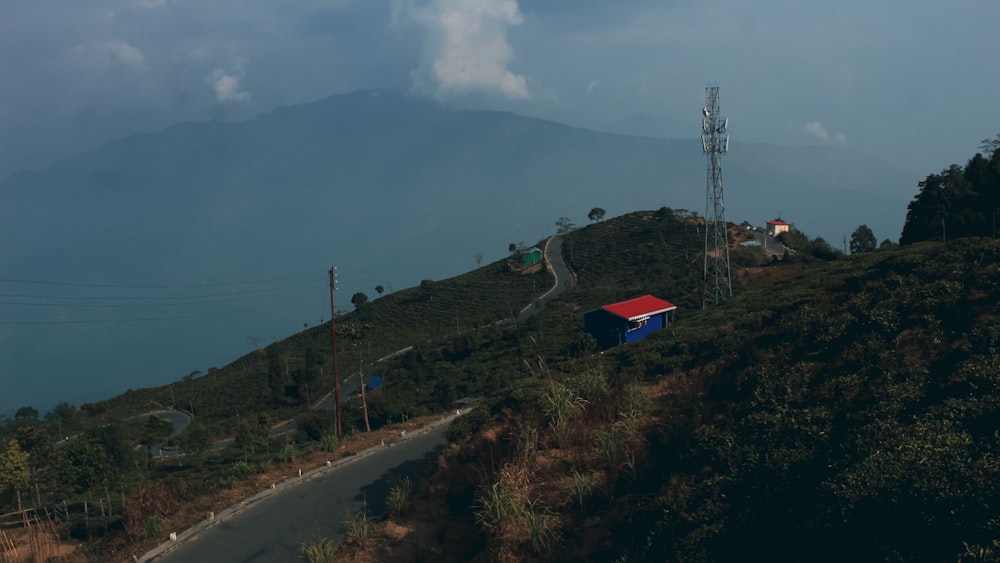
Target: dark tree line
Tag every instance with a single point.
(957, 201)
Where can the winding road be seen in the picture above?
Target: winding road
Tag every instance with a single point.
(272, 528)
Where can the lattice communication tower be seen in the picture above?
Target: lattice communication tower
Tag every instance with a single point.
(715, 143)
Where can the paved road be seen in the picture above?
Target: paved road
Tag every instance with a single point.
(564, 278)
(273, 529)
(180, 420)
(771, 244)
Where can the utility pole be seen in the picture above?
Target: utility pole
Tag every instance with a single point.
(333, 333)
(361, 376)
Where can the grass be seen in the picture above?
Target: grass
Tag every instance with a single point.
(320, 551)
(358, 526)
(399, 497)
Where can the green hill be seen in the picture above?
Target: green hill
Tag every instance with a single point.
(845, 411)
(828, 411)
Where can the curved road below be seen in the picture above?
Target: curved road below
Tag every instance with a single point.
(564, 278)
(273, 528)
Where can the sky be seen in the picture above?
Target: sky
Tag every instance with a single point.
(911, 83)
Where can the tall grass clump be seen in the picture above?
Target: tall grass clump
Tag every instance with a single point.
(399, 496)
(358, 526)
(538, 520)
(580, 488)
(497, 507)
(560, 405)
(321, 551)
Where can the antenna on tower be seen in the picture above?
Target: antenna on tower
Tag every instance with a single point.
(715, 143)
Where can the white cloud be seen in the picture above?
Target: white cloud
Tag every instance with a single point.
(816, 129)
(227, 85)
(819, 131)
(469, 49)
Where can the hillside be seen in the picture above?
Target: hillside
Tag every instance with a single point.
(130, 237)
(844, 412)
(840, 410)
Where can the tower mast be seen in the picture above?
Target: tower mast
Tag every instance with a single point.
(715, 143)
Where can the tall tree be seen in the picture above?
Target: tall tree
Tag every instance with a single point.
(596, 214)
(957, 202)
(939, 209)
(862, 240)
(359, 299)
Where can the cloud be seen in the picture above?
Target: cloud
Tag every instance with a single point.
(227, 86)
(108, 53)
(817, 130)
(468, 48)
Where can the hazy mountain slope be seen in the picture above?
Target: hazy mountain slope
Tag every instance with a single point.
(388, 188)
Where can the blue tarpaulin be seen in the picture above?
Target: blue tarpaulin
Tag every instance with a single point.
(375, 382)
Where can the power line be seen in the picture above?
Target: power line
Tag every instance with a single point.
(152, 286)
(148, 319)
(123, 305)
(249, 292)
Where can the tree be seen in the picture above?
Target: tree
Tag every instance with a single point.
(14, 473)
(359, 299)
(822, 250)
(564, 225)
(940, 209)
(156, 429)
(596, 214)
(26, 413)
(252, 435)
(379, 289)
(512, 247)
(87, 463)
(990, 146)
(862, 240)
(196, 439)
(478, 258)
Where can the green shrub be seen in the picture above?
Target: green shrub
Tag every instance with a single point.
(289, 452)
(468, 423)
(241, 470)
(329, 443)
(154, 527)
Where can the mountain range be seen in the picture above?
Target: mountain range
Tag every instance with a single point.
(164, 253)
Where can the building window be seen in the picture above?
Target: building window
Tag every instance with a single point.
(633, 325)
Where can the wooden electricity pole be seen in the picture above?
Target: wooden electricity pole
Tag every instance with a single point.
(333, 333)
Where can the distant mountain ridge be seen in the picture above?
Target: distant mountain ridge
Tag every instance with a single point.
(389, 188)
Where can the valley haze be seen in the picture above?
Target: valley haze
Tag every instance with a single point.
(141, 261)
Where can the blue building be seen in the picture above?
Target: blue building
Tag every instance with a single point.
(628, 321)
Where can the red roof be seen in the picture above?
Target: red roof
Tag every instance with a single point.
(644, 306)
(777, 222)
